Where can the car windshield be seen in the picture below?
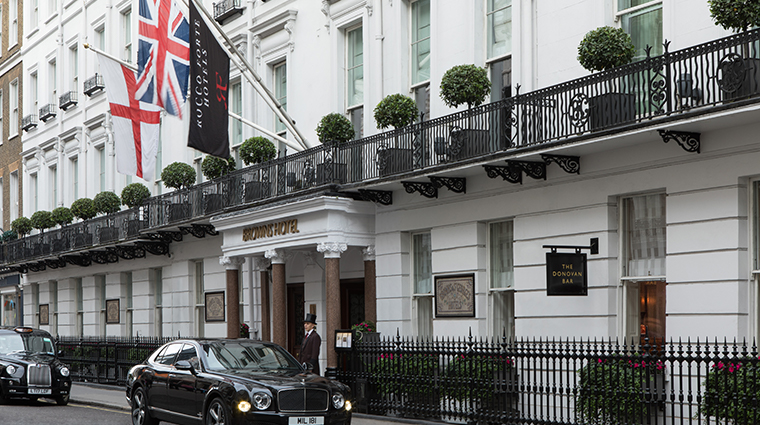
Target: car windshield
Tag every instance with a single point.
(249, 356)
(26, 343)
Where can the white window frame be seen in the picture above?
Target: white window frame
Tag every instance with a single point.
(420, 297)
(14, 193)
(34, 12)
(642, 8)
(34, 83)
(279, 126)
(157, 285)
(74, 67)
(53, 81)
(13, 24)
(200, 307)
(356, 29)
(415, 81)
(127, 37)
(13, 101)
(53, 187)
(489, 31)
(498, 296)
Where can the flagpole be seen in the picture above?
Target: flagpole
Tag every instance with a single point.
(267, 95)
(265, 131)
(113, 58)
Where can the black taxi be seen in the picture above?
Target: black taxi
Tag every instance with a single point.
(29, 366)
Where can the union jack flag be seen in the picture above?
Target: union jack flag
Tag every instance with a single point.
(163, 55)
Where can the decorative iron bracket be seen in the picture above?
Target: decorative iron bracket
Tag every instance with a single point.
(427, 190)
(169, 236)
(687, 140)
(104, 257)
(510, 174)
(128, 252)
(155, 247)
(537, 170)
(83, 259)
(22, 269)
(199, 230)
(55, 263)
(570, 164)
(454, 184)
(382, 197)
(36, 267)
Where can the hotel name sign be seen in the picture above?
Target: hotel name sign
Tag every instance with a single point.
(270, 230)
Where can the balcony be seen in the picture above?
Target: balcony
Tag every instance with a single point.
(47, 112)
(655, 94)
(94, 85)
(29, 122)
(67, 100)
(226, 9)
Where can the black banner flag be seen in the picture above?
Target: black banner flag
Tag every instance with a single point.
(209, 90)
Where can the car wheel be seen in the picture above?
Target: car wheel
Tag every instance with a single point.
(62, 400)
(140, 414)
(217, 414)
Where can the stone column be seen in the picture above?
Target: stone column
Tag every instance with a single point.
(261, 265)
(332, 251)
(279, 297)
(232, 264)
(370, 293)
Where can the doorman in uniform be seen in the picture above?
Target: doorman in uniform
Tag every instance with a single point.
(311, 343)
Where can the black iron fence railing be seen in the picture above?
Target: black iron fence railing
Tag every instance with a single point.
(106, 360)
(724, 73)
(555, 382)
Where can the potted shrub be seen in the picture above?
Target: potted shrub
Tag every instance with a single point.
(134, 195)
(41, 220)
(62, 216)
(178, 175)
(602, 49)
(465, 84)
(22, 226)
(213, 168)
(83, 209)
(256, 150)
(731, 385)
(740, 77)
(107, 203)
(475, 379)
(333, 130)
(397, 111)
(405, 378)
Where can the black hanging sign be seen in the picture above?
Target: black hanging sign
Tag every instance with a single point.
(566, 273)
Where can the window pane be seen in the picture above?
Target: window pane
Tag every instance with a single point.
(645, 235)
(423, 264)
(645, 28)
(281, 92)
(420, 41)
(501, 257)
(500, 31)
(355, 68)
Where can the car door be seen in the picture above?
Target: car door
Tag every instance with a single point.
(181, 391)
(162, 366)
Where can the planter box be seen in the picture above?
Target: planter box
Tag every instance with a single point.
(133, 227)
(394, 161)
(178, 212)
(61, 244)
(255, 190)
(339, 173)
(82, 239)
(611, 109)
(108, 234)
(467, 143)
(41, 249)
(212, 202)
(749, 85)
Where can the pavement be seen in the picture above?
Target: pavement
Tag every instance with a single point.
(112, 397)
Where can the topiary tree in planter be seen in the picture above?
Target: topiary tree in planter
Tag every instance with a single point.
(738, 16)
(602, 49)
(62, 216)
(42, 220)
(333, 129)
(256, 150)
(107, 203)
(83, 209)
(22, 226)
(178, 175)
(395, 110)
(465, 84)
(214, 167)
(735, 15)
(134, 195)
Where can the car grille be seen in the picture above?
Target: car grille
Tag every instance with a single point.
(38, 376)
(303, 400)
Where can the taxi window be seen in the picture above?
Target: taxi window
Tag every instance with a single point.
(10, 343)
(167, 356)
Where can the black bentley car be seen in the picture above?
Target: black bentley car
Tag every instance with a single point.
(29, 366)
(232, 381)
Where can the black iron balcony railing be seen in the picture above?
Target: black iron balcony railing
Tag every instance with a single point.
(67, 100)
(226, 8)
(718, 75)
(29, 122)
(94, 84)
(47, 112)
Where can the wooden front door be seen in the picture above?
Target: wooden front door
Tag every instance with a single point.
(296, 315)
(351, 302)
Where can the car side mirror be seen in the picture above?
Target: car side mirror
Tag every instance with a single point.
(61, 353)
(184, 365)
(307, 367)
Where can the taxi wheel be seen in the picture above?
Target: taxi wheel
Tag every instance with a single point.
(62, 400)
(140, 414)
(217, 413)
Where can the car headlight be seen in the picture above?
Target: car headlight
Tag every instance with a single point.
(262, 401)
(64, 371)
(10, 369)
(244, 406)
(338, 400)
(349, 406)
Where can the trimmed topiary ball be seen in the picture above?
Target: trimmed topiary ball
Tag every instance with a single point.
(134, 195)
(335, 127)
(83, 209)
(214, 167)
(735, 15)
(42, 220)
(605, 48)
(22, 226)
(107, 203)
(256, 150)
(465, 84)
(178, 175)
(395, 110)
(62, 216)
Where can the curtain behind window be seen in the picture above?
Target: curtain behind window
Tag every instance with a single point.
(423, 264)
(645, 235)
(501, 257)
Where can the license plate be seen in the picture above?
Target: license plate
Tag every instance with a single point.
(44, 391)
(307, 420)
